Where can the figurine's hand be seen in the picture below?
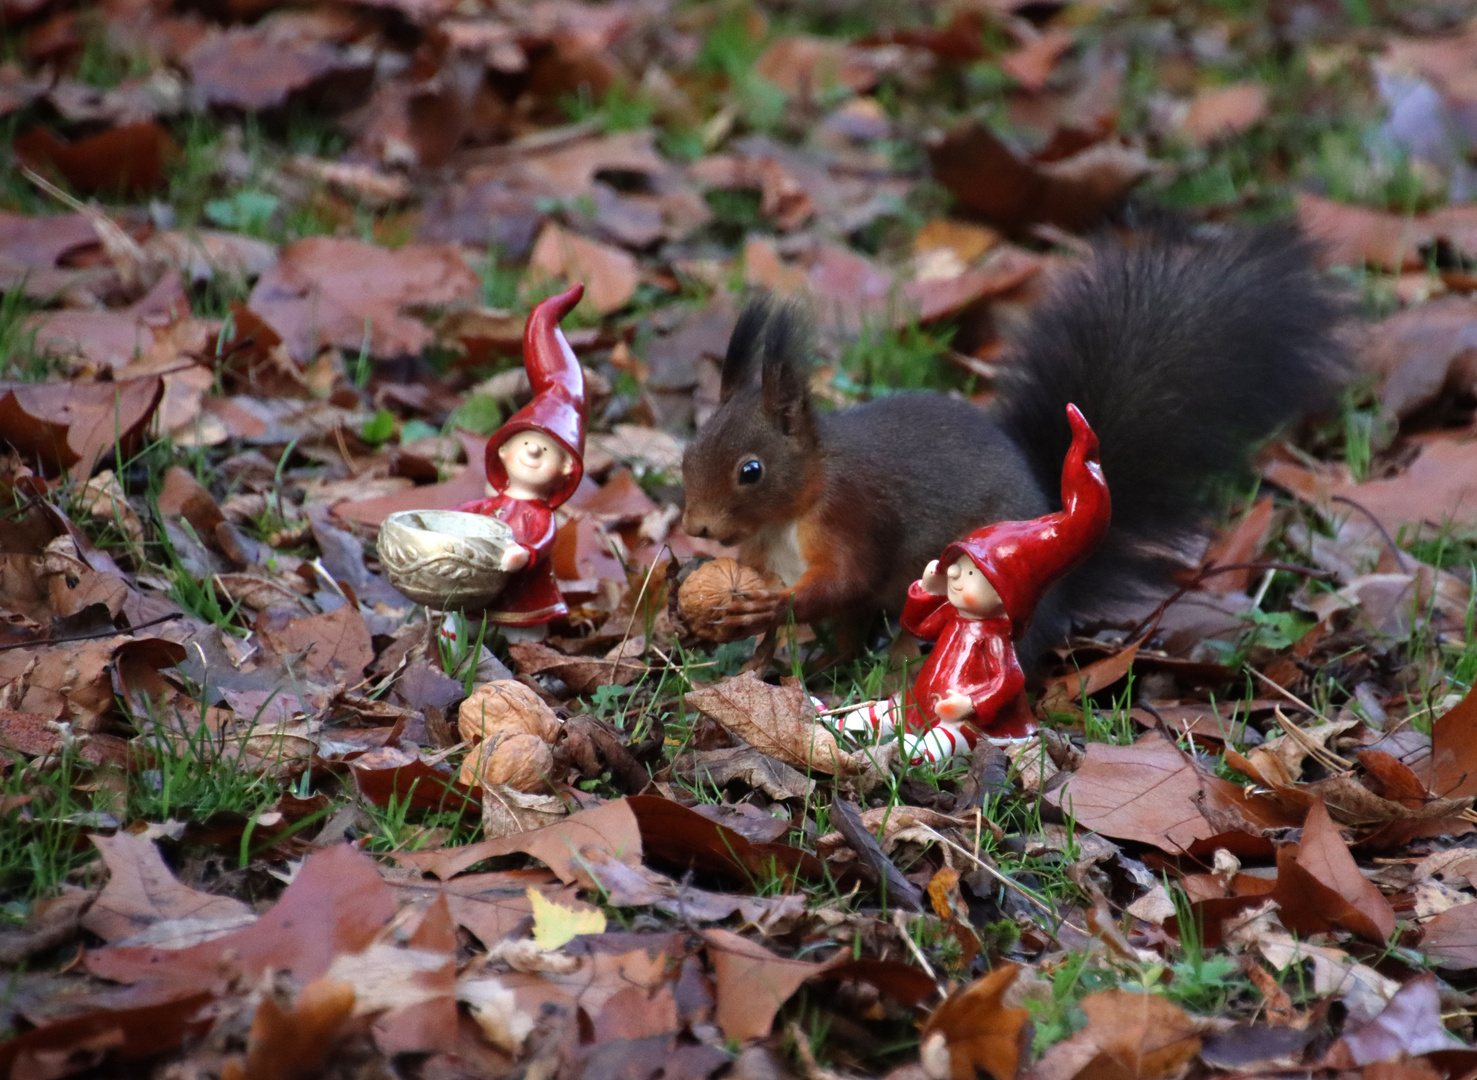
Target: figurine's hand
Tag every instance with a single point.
(751, 612)
(934, 582)
(953, 706)
(515, 558)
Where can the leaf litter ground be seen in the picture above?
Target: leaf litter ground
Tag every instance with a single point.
(264, 275)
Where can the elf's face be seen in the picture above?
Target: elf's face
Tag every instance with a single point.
(534, 461)
(971, 592)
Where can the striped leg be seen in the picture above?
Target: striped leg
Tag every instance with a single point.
(940, 742)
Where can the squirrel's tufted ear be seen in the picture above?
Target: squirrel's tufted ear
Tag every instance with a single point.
(785, 386)
(744, 346)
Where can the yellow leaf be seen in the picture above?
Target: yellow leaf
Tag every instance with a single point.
(555, 925)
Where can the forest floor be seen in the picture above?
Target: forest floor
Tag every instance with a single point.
(265, 271)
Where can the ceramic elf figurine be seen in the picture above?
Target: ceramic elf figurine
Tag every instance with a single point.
(975, 599)
(534, 463)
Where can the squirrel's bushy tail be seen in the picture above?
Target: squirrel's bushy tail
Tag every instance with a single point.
(1184, 355)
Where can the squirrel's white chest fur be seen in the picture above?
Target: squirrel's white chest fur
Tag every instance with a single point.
(775, 550)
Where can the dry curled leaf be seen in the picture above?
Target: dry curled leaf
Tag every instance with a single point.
(779, 721)
(973, 1031)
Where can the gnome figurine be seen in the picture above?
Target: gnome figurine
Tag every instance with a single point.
(974, 600)
(534, 464)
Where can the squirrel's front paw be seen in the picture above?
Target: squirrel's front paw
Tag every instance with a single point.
(753, 612)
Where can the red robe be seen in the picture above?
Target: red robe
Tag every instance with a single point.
(531, 595)
(975, 657)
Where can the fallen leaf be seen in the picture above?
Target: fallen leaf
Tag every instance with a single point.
(71, 425)
(779, 721)
(609, 274)
(1129, 1035)
(1450, 938)
(992, 180)
(141, 894)
(1151, 792)
(717, 768)
(1065, 693)
(1363, 990)
(1409, 1026)
(1452, 768)
(128, 160)
(1031, 65)
(610, 828)
(1225, 112)
(107, 1035)
(973, 1030)
(1323, 887)
(335, 644)
(679, 838)
(335, 905)
(332, 291)
(1422, 352)
(751, 983)
(255, 69)
(582, 674)
(555, 925)
(285, 1044)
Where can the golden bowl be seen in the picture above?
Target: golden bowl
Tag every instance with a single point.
(446, 559)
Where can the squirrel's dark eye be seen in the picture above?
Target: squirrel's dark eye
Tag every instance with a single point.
(750, 472)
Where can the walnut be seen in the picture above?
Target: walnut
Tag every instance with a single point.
(511, 729)
(505, 706)
(709, 588)
(522, 761)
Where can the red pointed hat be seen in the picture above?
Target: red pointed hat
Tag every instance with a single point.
(558, 405)
(1022, 559)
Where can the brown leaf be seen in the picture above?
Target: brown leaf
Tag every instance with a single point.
(1450, 938)
(1031, 65)
(331, 291)
(106, 1035)
(582, 674)
(992, 180)
(291, 1044)
(1355, 235)
(1151, 792)
(751, 983)
(1240, 544)
(610, 828)
(1322, 886)
(128, 160)
(802, 65)
(1409, 1026)
(336, 904)
(252, 68)
(335, 644)
(1225, 112)
(1129, 1036)
(610, 275)
(680, 839)
(141, 893)
(1065, 693)
(779, 721)
(973, 1030)
(71, 425)
(1453, 762)
(1421, 352)
(716, 768)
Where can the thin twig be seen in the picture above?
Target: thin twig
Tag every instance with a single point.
(1380, 525)
(1288, 694)
(620, 653)
(1326, 757)
(112, 632)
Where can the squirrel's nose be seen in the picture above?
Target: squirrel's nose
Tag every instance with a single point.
(692, 527)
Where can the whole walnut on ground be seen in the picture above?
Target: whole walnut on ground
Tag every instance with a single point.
(709, 588)
(511, 729)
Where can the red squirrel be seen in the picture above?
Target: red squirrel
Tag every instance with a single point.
(1183, 352)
